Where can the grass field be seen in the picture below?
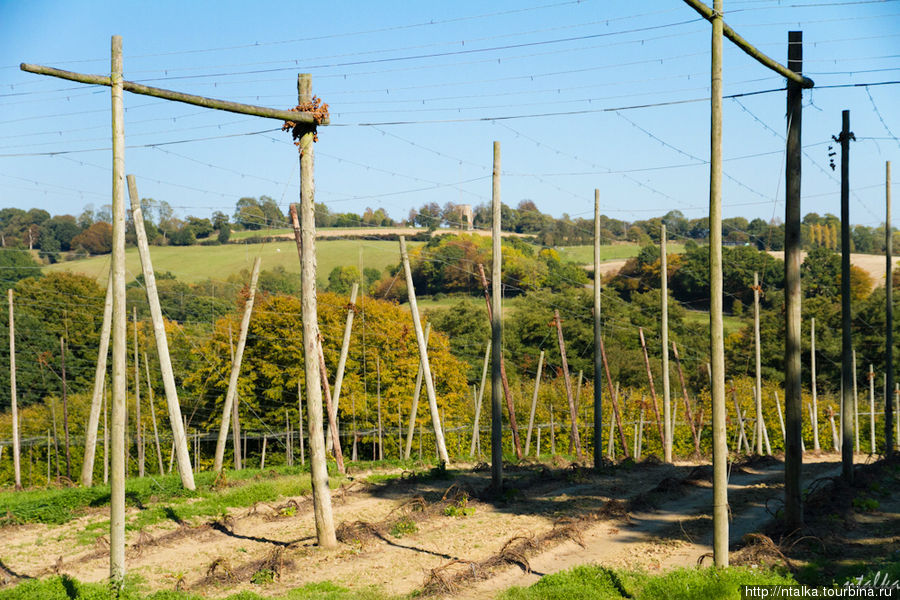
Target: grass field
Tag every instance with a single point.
(730, 324)
(197, 263)
(585, 254)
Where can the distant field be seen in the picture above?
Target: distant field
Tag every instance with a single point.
(730, 324)
(585, 254)
(196, 263)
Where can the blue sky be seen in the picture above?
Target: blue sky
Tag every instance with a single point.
(419, 91)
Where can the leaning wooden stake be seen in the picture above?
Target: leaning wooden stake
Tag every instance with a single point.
(534, 397)
(687, 403)
(119, 330)
(758, 370)
(153, 416)
(659, 427)
(182, 453)
(235, 413)
(90, 441)
(138, 425)
(342, 362)
(507, 395)
(307, 225)
(476, 427)
(414, 410)
(331, 412)
(812, 368)
(423, 357)
(614, 399)
(573, 415)
(871, 411)
(12, 395)
(236, 370)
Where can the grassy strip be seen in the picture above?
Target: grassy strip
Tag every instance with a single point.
(158, 498)
(66, 588)
(600, 583)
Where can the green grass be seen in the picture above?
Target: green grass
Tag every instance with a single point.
(600, 583)
(730, 324)
(585, 254)
(248, 233)
(66, 588)
(197, 263)
(160, 498)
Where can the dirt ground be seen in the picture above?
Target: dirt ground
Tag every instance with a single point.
(445, 535)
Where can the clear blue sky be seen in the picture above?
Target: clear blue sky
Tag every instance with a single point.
(434, 74)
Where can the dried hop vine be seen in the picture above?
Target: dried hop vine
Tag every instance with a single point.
(319, 112)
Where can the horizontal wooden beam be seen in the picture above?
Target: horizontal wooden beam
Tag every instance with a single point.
(146, 90)
(708, 14)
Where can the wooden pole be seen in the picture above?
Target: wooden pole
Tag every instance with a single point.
(573, 415)
(262, 458)
(378, 397)
(640, 435)
(664, 337)
(307, 224)
(577, 406)
(138, 426)
(235, 413)
(848, 355)
(476, 427)
(423, 357)
(332, 414)
(153, 415)
(534, 397)
(179, 436)
(105, 439)
(687, 403)
(889, 314)
(65, 404)
(659, 426)
(48, 458)
(17, 469)
(716, 338)
(793, 402)
(119, 329)
(342, 360)
(236, 370)
(756, 338)
(812, 368)
(598, 332)
(414, 410)
(507, 394)
(90, 440)
(855, 423)
(300, 431)
(835, 439)
(871, 411)
(614, 397)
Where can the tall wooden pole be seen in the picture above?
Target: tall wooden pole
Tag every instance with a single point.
(318, 468)
(179, 437)
(153, 416)
(716, 339)
(812, 369)
(598, 360)
(65, 404)
(659, 426)
(236, 370)
(871, 410)
(756, 338)
(414, 410)
(855, 411)
(848, 357)
(378, 399)
(138, 426)
(793, 402)
(119, 329)
(423, 357)
(342, 361)
(889, 314)
(476, 427)
(573, 415)
(105, 440)
(17, 470)
(496, 329)
(534, 397)
(90, 441)
(664, 336)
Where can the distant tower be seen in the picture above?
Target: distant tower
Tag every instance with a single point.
(466, 216)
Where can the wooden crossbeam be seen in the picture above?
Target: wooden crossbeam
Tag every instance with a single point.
(709, 14)
(146, 90)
